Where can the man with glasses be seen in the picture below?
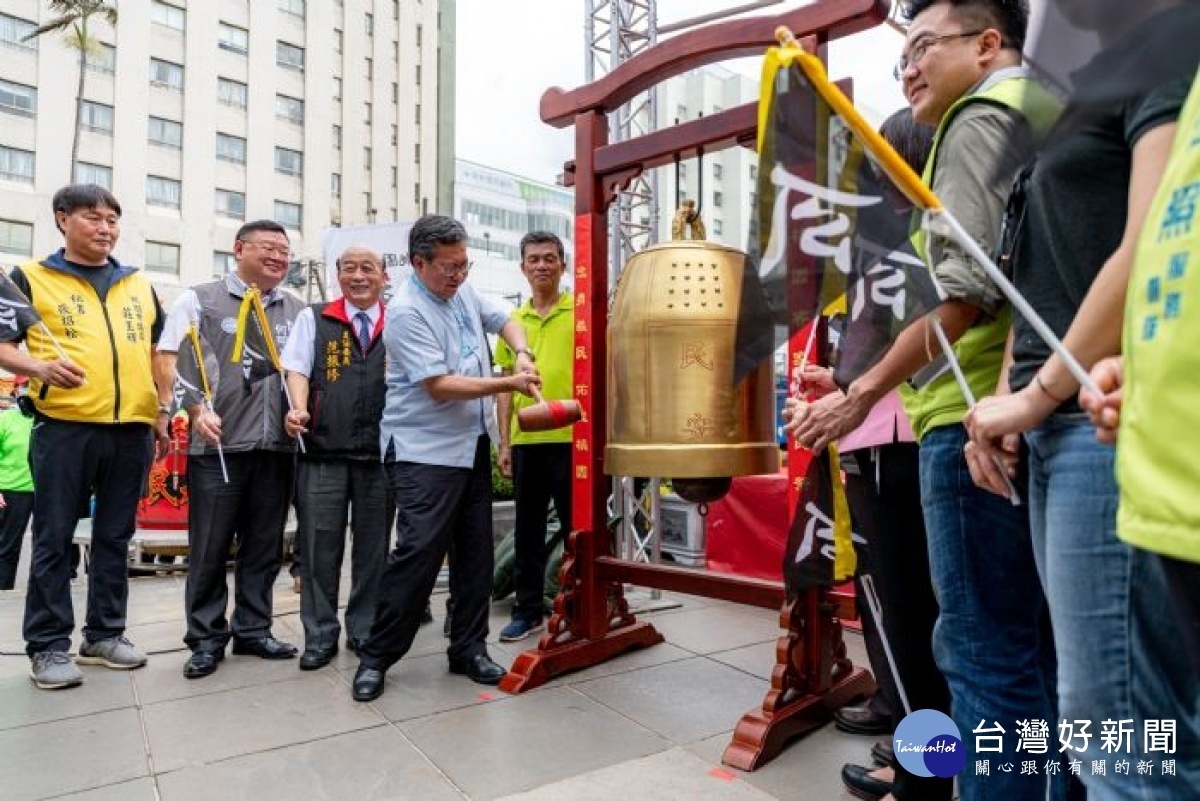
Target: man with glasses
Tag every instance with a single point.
(961, 73)
(246, 419)
(334, 360)
(538, 462)
(438, 425)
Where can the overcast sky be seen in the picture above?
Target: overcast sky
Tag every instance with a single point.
(510, 51)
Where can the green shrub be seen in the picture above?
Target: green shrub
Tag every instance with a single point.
(502, 488)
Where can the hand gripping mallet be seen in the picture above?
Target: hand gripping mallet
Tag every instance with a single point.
(547, 415)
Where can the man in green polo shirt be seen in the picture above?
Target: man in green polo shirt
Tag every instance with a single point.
(16, 486)
(539, 463)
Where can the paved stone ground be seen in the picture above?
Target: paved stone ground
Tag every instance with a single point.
(647, 725)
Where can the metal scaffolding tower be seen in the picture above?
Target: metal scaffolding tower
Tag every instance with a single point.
(617, 30)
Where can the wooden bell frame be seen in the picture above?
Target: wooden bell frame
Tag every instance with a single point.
(591, 621)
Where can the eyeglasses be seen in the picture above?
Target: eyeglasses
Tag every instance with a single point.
(454, 270)
(921, 47)
(270, 250)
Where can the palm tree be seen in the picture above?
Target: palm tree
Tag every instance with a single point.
(73, 17)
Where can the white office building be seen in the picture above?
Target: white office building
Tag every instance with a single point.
(202, 114)
(498, 208)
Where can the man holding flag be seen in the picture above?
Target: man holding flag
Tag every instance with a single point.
(93, 432)
(240, 464)
(961, 71)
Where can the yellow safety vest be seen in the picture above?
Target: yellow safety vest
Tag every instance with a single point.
(1158, 450)
(980, 350)
(111, 341)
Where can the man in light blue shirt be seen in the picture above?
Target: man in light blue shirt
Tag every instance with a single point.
(435, 439)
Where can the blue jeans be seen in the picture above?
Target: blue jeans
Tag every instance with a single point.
(992, 639)
(1116, 639)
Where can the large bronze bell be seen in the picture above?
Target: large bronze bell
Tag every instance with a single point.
(673, 409)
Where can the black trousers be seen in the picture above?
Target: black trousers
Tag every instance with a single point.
(541, 474)
(327, 490)
(70, 462)
(436, 507)
(14, 519)
(1183, 582)
(885, 502)
(253, 507)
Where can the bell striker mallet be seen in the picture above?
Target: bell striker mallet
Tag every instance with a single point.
(548, 415)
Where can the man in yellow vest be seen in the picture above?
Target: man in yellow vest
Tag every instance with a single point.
(961, 72)
(1150, 390)
(94, 431)
(538, 462)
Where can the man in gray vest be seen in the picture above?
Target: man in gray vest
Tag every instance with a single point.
(247, 420)
(334, 360)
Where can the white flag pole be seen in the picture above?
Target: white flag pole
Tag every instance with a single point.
(868, 585)
(956, 368)
(955, 230)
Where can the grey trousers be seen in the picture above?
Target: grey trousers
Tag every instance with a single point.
(328, 491)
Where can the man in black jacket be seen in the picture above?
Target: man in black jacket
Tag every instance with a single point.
(335, 372)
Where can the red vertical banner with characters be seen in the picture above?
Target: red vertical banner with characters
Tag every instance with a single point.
(583, 461)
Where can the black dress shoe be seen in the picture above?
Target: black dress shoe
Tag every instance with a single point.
(352, 645)
(265, 648)
(883, 753)
(860, 784)
(202, 663)
(368, 683)
(479, 669)
(861, 720)
(316, 658)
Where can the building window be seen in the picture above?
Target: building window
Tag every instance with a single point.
(753, 172)
(337, 40)
(289, 56)
(718, 172)
(367, 157)
(337, 88)
(718, 227)
(337, 137)
(16, 238)
(294, 7)
(162, 192)
(335, 185)
(96, 174)
(396, 10)
(168, 16)
(233, 38)
(287, 214)
(166, 74)
(289, 162)
(420, 30)
(17, 98)
(289, 108)
(370, 68)
(223, 263)
(162, 257)
(231, 93)
(395, 135)
(231, 204)
(395, 93)
(96, 117)
(396, 51)
(102, 59)
(16, 165)
(367, 113)
(14, 29)
(718, 199)
(417, 192)
(165, 133)
(417, 113)
(231, 148)
(395, 177)
(680, 113)
(417, 152)
(418, 74)
(369, 23)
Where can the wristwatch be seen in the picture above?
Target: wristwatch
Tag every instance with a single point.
(164, 408)
(527, 352)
